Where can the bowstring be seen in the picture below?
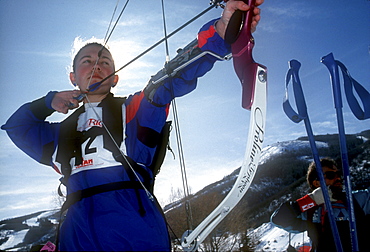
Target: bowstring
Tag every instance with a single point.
(180, 149)
(106, 38)
(165, 33)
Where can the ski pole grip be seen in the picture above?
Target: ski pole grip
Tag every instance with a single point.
(332, 66)
(293, 74)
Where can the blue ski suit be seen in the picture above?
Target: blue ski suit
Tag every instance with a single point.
(118, 220)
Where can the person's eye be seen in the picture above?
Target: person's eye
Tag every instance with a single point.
(87, 61)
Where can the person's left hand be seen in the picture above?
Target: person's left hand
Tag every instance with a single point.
(230, 8)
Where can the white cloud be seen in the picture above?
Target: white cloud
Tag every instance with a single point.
(293, 9)
(45, 54)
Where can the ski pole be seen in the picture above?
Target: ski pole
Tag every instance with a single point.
(330, 63)
(296, 117)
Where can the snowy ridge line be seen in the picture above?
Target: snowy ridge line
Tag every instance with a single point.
(280, 147)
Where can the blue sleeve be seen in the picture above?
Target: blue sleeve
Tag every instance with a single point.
(30, 132)
(145, 119)
(144, 122)
(186, 80)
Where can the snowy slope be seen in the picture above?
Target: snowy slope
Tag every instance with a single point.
(14, 231)
(14, 238)
(272, 238)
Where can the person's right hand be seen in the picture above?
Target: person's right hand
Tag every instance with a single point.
(230, 8)
(65, 100)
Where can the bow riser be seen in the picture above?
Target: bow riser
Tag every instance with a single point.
(245, 66)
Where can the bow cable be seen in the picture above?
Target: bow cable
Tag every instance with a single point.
(165, 33)
(180, 149)
(107, 37)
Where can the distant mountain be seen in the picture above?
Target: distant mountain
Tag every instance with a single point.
(280, 177)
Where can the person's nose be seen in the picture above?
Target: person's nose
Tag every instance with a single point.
(97, 67)
(338, 178)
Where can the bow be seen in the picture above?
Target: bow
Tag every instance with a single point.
(253, 78)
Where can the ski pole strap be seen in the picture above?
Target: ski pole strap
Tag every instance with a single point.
(351, 85)
(292, 74)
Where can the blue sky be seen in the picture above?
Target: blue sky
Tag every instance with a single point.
(35, 50)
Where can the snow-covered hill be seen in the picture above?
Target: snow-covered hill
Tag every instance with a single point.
(19, 234)
(280, 147)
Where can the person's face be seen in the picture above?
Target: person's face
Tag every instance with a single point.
(332, 177)
(87, 73)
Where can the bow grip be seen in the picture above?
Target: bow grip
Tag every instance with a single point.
(236, 22)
